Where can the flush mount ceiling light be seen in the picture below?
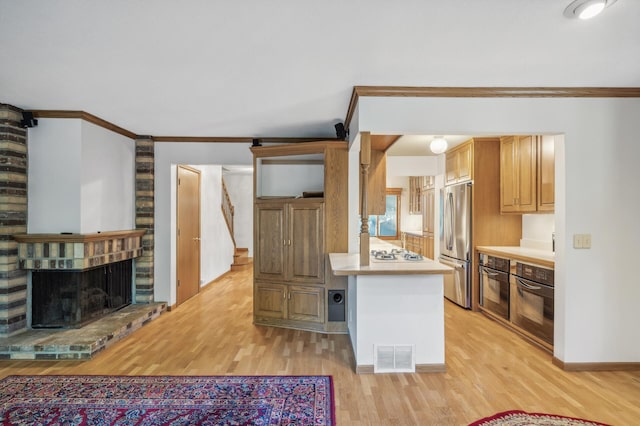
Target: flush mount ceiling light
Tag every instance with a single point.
(438, 145)
(586, 9)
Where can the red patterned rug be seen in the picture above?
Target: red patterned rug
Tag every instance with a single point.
(522, 418)
(179, 400)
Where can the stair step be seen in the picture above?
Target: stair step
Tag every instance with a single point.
(241, 259)
(241, 267)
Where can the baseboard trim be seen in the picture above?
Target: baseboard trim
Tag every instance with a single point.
(420, 368)
(595, 366)
(431, 368)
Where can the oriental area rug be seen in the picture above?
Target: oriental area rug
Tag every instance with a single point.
(162, 400)
(522, 418)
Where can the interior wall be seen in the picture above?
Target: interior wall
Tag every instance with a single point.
(93, 189)
(167, 155)
(596, 295)
(54, 150)
(216, 246)
(107, 194)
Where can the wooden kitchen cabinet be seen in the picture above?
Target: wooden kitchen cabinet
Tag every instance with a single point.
(428, 182)
(518, 160)
(419, 244)
(546, 181)
(289, 302)
(527, 174)
(459, 164)
(428, 222)
(290, 240)
(415, 189)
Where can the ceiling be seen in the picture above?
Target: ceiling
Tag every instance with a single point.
(286, 68)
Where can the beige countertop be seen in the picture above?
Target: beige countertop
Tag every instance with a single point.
(349, 264)
(524, 254)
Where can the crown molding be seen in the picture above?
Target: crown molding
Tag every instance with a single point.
(486, 92)
(84, 116)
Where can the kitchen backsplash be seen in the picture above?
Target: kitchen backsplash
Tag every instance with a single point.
(537, 230)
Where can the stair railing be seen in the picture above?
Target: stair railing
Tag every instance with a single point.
(227, 210)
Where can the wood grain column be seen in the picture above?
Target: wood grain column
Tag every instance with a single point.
(145, 203)
(13, 219)
(365, 161)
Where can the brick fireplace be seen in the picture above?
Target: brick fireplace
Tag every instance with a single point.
(78, 278)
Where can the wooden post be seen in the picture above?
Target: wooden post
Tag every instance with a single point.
(365, 161)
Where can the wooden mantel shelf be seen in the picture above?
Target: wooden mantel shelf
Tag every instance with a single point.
(77, 238)
(77, 251)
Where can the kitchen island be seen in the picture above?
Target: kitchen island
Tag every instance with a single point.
(395, 312)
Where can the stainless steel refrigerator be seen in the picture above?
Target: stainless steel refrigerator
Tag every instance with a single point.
(455, 242)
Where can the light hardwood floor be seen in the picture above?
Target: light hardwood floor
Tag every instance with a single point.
(489, 369)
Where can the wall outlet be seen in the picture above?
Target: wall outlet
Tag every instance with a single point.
(582, 241)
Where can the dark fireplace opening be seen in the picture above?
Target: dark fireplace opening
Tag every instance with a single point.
(71, 299)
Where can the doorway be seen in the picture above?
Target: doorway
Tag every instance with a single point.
(188, 234)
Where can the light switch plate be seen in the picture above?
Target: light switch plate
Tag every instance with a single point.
(582, 241)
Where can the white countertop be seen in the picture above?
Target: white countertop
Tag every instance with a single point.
(349, 263)
(525, 254)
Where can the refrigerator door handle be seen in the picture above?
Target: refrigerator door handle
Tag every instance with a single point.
(452, 264)
(450, 220)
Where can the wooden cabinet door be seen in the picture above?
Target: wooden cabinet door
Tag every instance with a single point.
(465, 162)
(428, 212)
(305, 303)
(546, 174)
(429, 246)
(459, 164)
(518, 174)
(508, 174)
(451, 168)
(270, 240)
(305, 243)
(526, 154)
(415, 188)
(269, 300)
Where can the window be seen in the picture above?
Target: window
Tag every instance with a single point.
(387, 226)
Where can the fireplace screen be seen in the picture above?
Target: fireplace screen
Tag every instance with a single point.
(70, 299)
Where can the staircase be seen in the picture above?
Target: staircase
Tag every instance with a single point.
(241, 259)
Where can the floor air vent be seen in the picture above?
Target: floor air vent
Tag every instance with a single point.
(394, 359)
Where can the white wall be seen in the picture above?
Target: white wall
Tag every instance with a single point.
(216, 246)
(54, 176)
(537, 230)
(81, 178)
(240, 188)
(412, 166)
(289, 180)
(167, 156)
(108, 180)
(596, 290)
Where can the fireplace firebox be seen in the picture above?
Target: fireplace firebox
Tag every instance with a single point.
(71, 299)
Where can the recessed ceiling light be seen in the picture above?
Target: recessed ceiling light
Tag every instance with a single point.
(586, 9)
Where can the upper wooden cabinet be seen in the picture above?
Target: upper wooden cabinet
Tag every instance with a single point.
(459, 164)
(428, 182)
(428, 211)
(526, 174)
(415, 190)
(546, 174)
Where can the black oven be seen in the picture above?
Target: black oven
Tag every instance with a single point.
(494, 285)
(533, 306)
